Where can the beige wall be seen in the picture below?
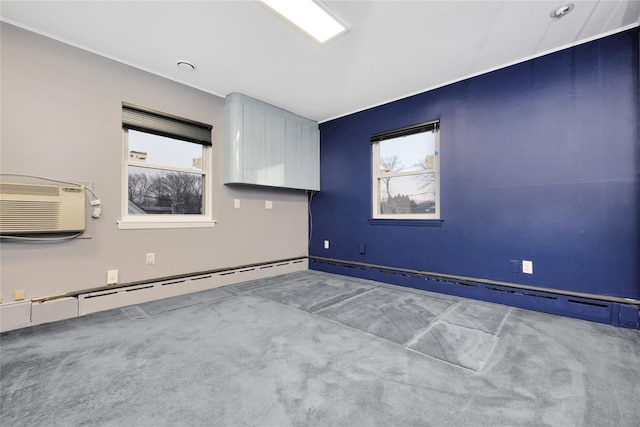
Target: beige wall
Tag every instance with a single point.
(61, 118)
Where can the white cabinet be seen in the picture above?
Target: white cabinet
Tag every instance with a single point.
(265, 145)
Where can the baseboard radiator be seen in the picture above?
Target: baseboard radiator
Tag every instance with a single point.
(29, 313)
(113, 298)
(622, 312)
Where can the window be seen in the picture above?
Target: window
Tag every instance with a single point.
(167, 176)
(406, 172)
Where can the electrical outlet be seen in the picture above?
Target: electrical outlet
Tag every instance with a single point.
(112, 277)
(18, 295)
(527, 267)
(268, 204)
(326, 244)
(151, 258)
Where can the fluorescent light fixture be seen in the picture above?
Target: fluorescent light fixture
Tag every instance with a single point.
(309, 16)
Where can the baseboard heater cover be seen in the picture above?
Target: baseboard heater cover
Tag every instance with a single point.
(30, 313)
(622, 312)
(101, 300)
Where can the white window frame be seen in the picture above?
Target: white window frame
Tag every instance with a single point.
(378, 175)
(153, 221)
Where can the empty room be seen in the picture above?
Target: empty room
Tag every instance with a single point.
(337, 213)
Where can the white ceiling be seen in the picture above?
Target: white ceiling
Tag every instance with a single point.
(393, 49)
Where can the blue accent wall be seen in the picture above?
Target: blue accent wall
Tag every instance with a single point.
(539, 161)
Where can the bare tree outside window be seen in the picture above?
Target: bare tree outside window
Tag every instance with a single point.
(389, 165)
(138, 188)
(162, 192)
(165, 175)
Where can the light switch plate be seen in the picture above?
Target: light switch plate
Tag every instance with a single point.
(527, 267)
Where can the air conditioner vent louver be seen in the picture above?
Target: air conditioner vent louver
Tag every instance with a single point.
(29, 216)
(30, 190)
(35, 208)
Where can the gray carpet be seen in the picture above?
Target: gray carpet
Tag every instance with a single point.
(315, 349)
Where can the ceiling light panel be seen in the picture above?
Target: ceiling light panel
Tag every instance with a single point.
(310, 17)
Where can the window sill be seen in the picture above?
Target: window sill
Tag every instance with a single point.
(407, 222)
(158, 224)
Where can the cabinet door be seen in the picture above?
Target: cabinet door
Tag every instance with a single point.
(233, 144)
(302, 156)
(311, 157)
(294, 170)
(254, 144)
(275, 150)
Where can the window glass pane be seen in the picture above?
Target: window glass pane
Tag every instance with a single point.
(408, 153)
(153, 191)
(414, 194)
(163, 151)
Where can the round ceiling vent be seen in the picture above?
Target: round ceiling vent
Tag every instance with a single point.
(186, 66)
(562, 10)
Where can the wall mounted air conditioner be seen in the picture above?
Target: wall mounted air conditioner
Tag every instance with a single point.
(36, 208)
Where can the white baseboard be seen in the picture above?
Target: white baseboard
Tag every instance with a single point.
(51, 311)
(15, 315)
